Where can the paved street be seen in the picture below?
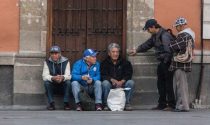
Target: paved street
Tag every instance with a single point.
(140, 117)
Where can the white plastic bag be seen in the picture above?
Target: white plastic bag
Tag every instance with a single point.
(116, 99)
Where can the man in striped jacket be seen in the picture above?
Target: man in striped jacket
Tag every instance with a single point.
(179, 47)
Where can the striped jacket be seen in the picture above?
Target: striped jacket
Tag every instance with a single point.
(179, 46)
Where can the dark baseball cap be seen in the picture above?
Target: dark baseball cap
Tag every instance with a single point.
(149, 23)
(55, 49)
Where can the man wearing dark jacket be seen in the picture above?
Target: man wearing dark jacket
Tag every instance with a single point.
(116, 73)
(56, 76)
(160, 40)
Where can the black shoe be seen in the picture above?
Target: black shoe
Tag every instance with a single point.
(180, 110)
(128, 107)
(66, 106)
(106, 108)
(78, 107)
(168, 108)
(158, 107)
(51, 106)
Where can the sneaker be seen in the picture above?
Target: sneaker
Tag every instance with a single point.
(106, 108)
(67, 106)
(98, 107)
(51, 106)
(78, 107)
(128, 107)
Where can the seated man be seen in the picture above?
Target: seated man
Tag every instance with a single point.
(116, 72)
(56, 76)
(86, 74)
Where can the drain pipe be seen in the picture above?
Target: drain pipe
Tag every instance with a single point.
(199, 87)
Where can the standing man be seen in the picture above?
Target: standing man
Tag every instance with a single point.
(160, 40)
(183, 44)
(116, 73)
(56, 76)
(86, 74)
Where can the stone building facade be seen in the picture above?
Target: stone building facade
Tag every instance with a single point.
(21, 84)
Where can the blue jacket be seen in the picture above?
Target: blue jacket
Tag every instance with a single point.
(80, 68)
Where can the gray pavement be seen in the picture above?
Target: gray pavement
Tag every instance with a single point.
(139, 117)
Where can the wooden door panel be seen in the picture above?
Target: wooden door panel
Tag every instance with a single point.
(104, 24)
(81, 24)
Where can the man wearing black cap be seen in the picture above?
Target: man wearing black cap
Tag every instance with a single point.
(56, 76)
(160, 40)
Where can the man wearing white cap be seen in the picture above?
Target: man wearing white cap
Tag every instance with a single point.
(182, 48)
(86, 74)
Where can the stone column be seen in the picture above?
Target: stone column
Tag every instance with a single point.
(28, 86)
(144, 64)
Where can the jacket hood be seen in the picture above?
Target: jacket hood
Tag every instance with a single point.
(189, 31)
(61, 60)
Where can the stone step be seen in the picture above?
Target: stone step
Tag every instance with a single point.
(145, 98)
(145, 83)
(145, 70)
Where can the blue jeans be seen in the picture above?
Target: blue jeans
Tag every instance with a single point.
(106, 86)
(94, 89)
(55, 88)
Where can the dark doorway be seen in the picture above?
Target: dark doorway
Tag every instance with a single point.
(75, 25)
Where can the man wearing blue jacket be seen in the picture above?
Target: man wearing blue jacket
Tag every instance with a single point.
(86, 74)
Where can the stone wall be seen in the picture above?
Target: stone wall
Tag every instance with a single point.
(206, 20)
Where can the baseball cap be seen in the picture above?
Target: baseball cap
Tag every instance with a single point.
(180, 21)
(89, 52)
(149, 23)
(55, 49)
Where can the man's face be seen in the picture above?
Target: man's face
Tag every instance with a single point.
(179, 28)
(114, 53)
(151, 30)
(91, 59)
(55, 56)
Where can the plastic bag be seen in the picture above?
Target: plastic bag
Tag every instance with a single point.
(116, 99)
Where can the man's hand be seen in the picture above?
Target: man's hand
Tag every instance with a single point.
(120, 83)
(132, 52)
(117, 83)
(85, 77)
(58, 78)
(114, 82)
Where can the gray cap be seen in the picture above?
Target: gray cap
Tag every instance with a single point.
(55, 49)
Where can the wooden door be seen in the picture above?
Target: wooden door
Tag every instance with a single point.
(75, 25)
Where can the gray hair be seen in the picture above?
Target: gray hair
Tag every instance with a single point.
(113, 45)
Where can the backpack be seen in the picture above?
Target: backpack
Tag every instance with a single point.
(87, 103)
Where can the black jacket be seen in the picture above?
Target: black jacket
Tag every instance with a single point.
(122, 70)
(160, 41)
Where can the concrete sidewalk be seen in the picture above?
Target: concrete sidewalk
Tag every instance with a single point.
(139, 117)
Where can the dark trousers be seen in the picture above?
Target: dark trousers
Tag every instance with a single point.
(165, 86)
(55, 88)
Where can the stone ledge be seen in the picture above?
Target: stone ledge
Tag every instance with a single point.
(31, 54)
(149, 58)
(7, 58)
